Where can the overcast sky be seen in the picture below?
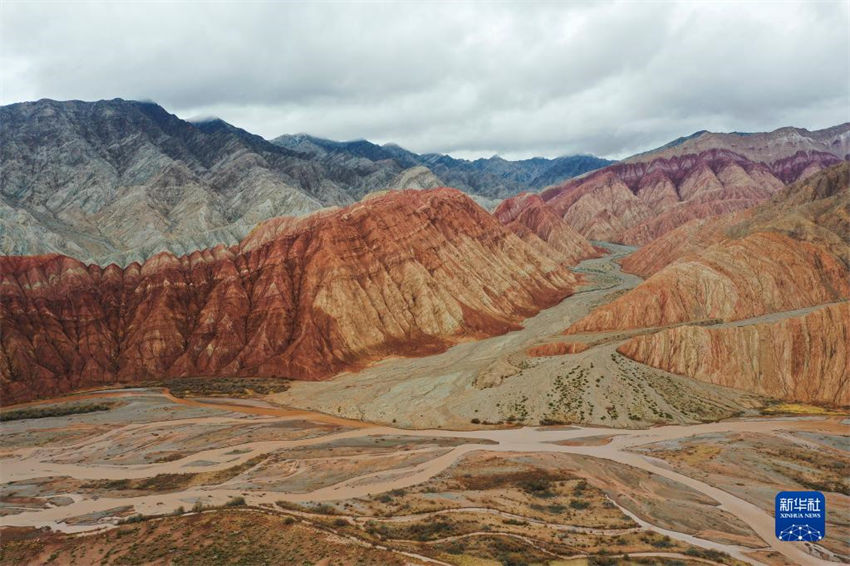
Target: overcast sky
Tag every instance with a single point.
(468, 79)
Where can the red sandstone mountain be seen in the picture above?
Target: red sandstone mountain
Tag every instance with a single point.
(701, 176)
(538, 225)
(805, 358)
(402, 273)
(634, 203)
(790, 253)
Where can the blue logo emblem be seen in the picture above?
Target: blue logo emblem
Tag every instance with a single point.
(800, 516)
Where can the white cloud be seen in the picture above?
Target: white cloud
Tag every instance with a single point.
(466, 78)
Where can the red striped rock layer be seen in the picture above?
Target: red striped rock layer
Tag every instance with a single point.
(813, 208)
(404, 273)
(791, 253)
(636, 202)
(540, 226)
(805, 358)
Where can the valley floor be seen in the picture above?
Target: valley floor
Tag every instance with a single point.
(424, 496)
(496, 381)
(434, 460)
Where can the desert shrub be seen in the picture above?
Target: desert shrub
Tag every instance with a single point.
(52, 411)
(238, 501)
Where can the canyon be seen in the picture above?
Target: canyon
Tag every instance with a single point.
(411, 379)
(785, 255)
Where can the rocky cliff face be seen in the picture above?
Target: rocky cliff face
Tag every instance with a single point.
(122, 180)
(804, 358)
(403, 273)
(535, 222)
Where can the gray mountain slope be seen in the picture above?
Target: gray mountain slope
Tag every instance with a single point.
(119, 180)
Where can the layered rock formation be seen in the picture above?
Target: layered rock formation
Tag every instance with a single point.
(788, 254)
(540, 226)
(402, 273)
(804, 358)
(122, 180)
(557, 349)
(781, 147)
(638, 202)
(817, 203)
(702, 176)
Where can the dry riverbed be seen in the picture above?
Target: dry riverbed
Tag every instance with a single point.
(128, 478)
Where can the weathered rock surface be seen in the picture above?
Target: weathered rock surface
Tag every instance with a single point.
(557, 349)
(535, 222)
(119, 181)
(701, 176)
(417, 177)
(790, 253)
(634, 203)
(767, 147)
(404, 273)
(804, 358)
(812, 200)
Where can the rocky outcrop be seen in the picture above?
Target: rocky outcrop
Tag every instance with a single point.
(557, 349)
(804, 208)
(790, 253)
(119, 181)
(403, 273)
(535, 222)
(751, 276)
(805, 358)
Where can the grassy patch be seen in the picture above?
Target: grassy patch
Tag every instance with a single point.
(799, 409)
(223, 386)
(52, 411)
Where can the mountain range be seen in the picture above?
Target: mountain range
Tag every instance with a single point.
(139, 246)
(643, 197)
(404, 273)
(118, 181)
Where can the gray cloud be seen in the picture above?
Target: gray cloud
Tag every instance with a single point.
(465, 78)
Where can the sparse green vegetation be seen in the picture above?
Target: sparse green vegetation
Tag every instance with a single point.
(41, 412)
(222, 386)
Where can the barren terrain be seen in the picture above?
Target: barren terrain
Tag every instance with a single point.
(153, 465)
(442, 459)
(496, 380)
